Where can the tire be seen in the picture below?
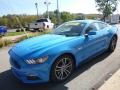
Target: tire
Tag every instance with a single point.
(113, 43)
(62, 68)
(47, 26)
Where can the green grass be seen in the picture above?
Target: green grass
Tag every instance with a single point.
(14, 33)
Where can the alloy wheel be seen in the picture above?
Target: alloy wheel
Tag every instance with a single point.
(63, 68)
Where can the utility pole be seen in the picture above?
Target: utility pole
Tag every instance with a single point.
(58, 13)
(36, 4)
(47, 3)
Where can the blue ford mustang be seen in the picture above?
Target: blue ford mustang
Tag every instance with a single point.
(53, 57)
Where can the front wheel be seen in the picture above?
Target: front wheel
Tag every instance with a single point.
(62, 68)
(112, 45)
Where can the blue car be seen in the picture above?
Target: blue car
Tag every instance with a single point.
(3, 30)
(53, 57)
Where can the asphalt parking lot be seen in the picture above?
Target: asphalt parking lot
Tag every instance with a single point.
(89, 76)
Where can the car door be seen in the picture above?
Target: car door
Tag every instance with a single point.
(93, 43)
(104, 33)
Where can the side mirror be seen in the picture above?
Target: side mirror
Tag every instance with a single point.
(90, 33)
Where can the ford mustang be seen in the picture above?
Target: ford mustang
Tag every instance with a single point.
(53, 57)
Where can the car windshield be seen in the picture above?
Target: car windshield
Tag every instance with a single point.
(70, 29)
(42, 20)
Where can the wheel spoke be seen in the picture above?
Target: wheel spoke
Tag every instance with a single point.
(58, 70)
(60, 75)
(65, 59)
(66, 72)
(63, 63)
(58, 67)
(68, 65)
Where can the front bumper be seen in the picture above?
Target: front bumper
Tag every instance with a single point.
(32, 75)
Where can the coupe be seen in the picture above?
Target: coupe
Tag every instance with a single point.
(53, 57)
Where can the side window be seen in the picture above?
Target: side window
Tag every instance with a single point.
(92, 27)
(102, 25)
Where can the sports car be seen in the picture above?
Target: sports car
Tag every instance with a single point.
(53, 57)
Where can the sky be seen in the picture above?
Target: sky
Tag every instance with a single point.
(28, 6)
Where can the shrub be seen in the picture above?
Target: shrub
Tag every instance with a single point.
(7, 42)
(20, 39)
(1, 44)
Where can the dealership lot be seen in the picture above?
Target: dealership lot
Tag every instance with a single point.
(87, 77)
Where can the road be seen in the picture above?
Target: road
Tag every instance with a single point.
(89, 76)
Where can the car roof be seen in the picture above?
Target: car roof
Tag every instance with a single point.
(86, 21)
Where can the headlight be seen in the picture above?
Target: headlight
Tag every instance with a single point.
(37, 61)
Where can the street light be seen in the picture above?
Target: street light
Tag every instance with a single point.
(58, 14)
(47, 3)
(36, 4)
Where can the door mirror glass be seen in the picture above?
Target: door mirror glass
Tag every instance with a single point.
(92, 33)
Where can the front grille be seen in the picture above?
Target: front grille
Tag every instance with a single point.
(15, 64)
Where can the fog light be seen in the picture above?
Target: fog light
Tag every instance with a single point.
(32, 77)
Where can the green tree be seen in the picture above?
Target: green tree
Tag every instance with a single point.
(14, 21)
(106, 7)
(66, 16)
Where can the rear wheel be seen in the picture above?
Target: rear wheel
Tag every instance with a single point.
(62, 68)
(113, 43)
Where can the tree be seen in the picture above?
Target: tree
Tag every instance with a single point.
(66, 16)
(107, 7)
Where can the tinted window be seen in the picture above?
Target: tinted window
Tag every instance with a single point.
(42, 20)
(92, 27)
(102, 25)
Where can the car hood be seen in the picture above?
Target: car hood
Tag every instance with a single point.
(38, 44)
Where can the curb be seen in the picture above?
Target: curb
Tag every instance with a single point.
(113, 83)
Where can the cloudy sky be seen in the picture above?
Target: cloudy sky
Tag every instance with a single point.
(28, 6)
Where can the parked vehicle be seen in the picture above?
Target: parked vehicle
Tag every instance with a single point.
(115, 19)
(53, 57)
(3, 30)
(41, 24)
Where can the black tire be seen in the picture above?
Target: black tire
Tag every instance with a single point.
(113, 43)
(47, 26)
(62, 68)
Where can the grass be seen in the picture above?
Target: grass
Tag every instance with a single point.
(20, 33)
(14, 33)
(6, 42)
(38, 33)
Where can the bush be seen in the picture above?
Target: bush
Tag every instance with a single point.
(1, 44)
(20, 39)
(7, 42)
